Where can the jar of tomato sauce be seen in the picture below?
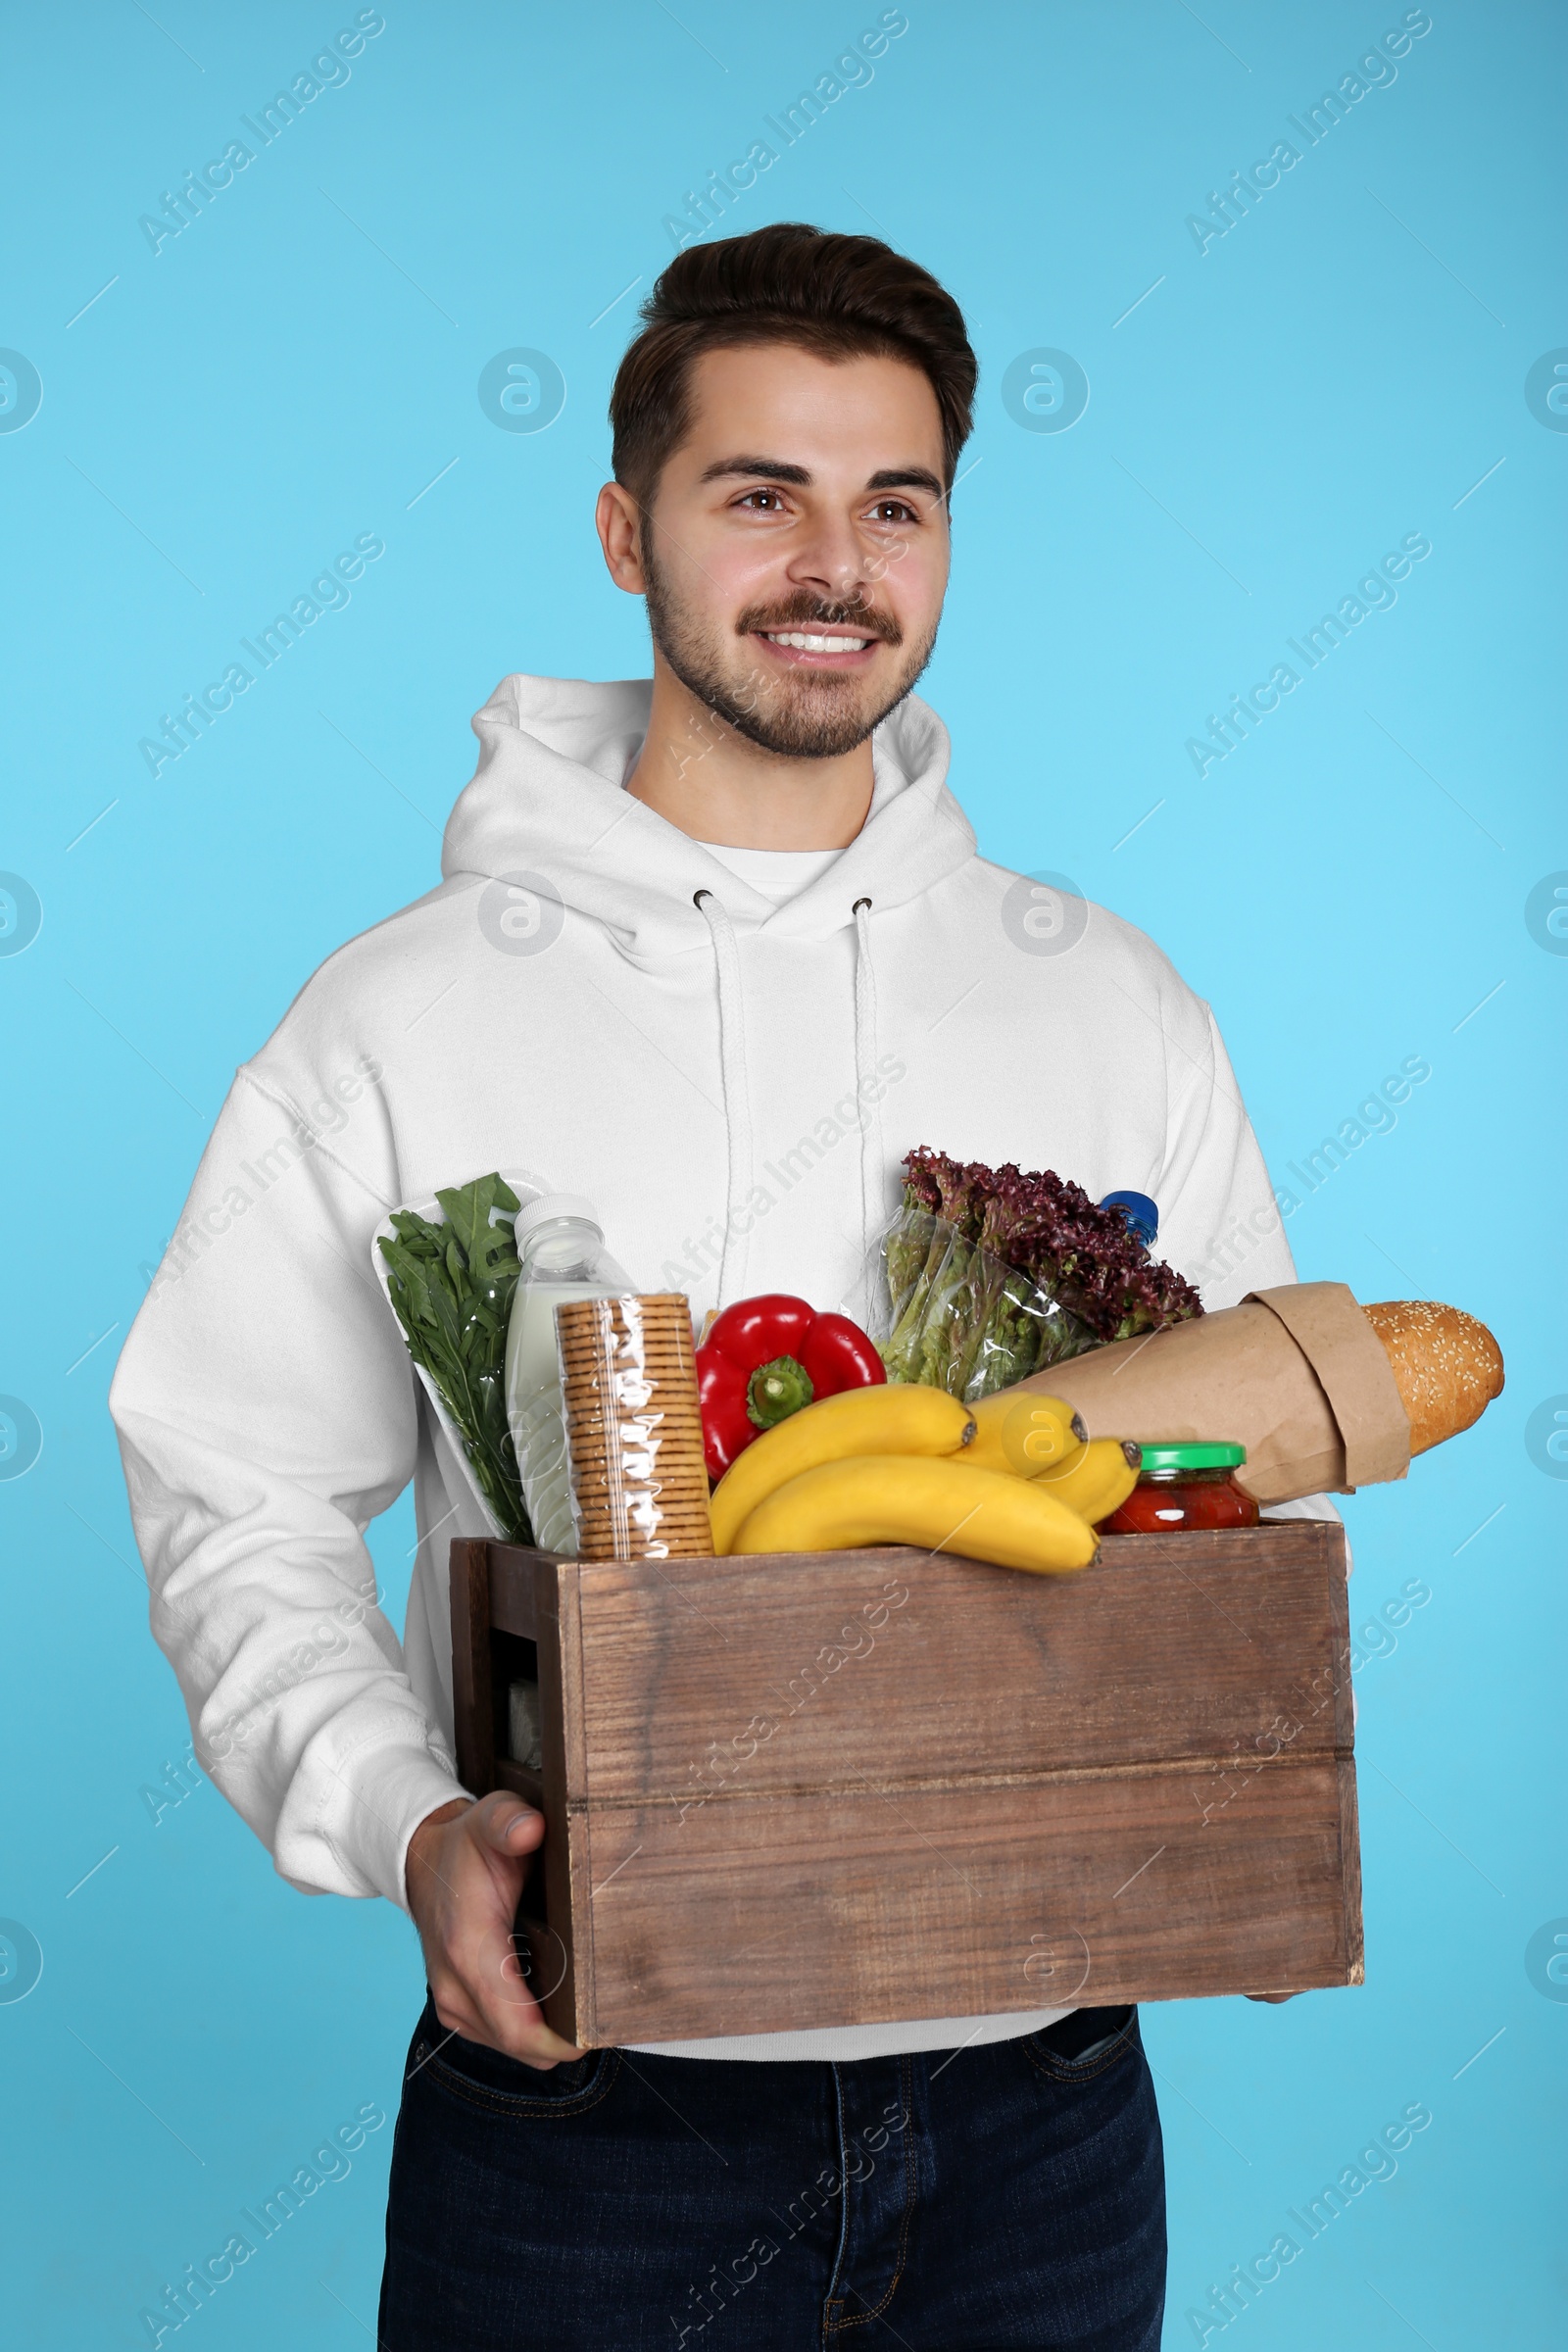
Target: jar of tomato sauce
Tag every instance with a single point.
(1184, 1486)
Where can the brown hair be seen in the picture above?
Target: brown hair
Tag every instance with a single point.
(842, 296)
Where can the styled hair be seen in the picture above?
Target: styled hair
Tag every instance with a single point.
(842, 296)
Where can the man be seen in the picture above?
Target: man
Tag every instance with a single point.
(715, 953)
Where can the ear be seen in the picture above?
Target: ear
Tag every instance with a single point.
(618, 521)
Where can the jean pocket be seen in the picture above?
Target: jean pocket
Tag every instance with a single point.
(488, 2079)
(1090, 2064)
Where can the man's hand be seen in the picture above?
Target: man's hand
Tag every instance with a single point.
(464, 1875)
(1271, 1997)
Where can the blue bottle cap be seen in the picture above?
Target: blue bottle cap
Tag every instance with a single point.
(1139, 1212)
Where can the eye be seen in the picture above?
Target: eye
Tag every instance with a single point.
(892, 510)
(762, 502)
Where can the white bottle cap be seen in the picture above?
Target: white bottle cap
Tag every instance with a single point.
(556, 1205)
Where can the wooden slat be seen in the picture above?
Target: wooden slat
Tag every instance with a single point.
(577, 1998)
(520, 1780)
(513, 1571)
(473, 1696)
(706, 1678)
(1350, 1864)
(844, 1908)
(567, 1884)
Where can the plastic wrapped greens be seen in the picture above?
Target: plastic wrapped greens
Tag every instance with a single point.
(993, 1273)
(451, 1286)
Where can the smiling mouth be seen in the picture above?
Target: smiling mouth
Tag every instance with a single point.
(813, 641)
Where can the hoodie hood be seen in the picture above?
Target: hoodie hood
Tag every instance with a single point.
(548, 811)
(548, 800)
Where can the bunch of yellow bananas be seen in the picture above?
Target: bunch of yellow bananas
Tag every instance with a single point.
(1014, 1481)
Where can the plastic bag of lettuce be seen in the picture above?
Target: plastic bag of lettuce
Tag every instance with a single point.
(451, 1286)
(993, 1273)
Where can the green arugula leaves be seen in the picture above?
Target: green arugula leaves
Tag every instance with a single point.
(452, 1287)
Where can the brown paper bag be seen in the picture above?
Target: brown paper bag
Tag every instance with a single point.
(1296, 1375)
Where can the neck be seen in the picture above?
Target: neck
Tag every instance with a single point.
(699, 774)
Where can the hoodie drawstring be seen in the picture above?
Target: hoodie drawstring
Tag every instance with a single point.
(867, 1091)
(738, 1102)
(737, 1097)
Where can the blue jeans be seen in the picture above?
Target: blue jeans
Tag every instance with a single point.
(1009, 2194)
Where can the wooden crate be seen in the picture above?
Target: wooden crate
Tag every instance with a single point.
(816, 1789)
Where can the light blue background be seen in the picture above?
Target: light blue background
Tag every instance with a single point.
(292, 370)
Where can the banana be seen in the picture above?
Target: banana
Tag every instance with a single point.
(1019, 1431)
(939, 1503)
(1098, 1481)
(898, 1418)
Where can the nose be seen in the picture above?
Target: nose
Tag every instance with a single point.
(831, 562)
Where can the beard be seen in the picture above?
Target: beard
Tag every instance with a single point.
(799, 715)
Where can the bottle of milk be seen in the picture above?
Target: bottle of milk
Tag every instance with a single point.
(562, 1256)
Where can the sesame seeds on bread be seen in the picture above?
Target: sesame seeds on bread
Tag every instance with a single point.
(1446, 1366)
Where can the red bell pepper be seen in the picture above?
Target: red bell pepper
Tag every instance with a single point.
(765, 1358)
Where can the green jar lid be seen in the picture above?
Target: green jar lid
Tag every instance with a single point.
(1158, 1458)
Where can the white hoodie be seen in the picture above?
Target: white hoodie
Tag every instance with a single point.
(593, 997)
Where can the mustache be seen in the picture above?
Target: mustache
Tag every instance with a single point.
(807, 612)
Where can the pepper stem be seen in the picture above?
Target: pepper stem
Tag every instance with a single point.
(778, 1390)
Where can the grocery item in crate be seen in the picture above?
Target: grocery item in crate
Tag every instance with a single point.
(993, 1274)
(939, 1504)
(1324, 1393)
(1183, 1488)
(524, 1724)
(450, 1281)
(891, 1465)
(1026, 1432)
(763, 1358)
(634, 1432)
(561, 1258)
(1446, 1366)
(1098, 1481)
(881, 1420)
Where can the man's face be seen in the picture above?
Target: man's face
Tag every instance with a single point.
(795, 553)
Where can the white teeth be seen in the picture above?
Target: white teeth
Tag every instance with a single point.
(815, 645)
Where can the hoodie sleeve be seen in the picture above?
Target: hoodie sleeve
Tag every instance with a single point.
(1219, 1223)
(266, 1411)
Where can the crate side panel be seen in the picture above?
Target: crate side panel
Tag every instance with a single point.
(851, 1905)
(778, 1673)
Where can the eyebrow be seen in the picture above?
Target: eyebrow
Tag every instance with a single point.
(774, 470)
(906, 477)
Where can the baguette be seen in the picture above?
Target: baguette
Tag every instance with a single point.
(1446, 1366)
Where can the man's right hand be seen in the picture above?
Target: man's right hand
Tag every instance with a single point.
(464, 1875)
